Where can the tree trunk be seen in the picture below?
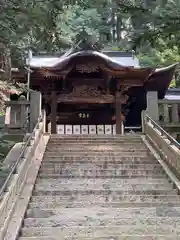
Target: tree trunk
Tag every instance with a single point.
(5, 62)
(118, 28)
(113, 26)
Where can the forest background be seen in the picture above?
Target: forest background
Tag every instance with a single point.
(151, 28)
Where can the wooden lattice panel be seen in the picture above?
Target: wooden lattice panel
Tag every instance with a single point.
(85, 91)
(87, 68)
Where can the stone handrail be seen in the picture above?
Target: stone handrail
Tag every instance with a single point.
(167, 147)
(14, 183)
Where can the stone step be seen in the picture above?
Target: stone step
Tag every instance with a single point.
(110, 222)
(70, 171)
(105, 201)
(95, 149)
(103, 213)
(99, 140)
(102, 182)
(76, 185)
(126, 135)
(121, 175)
(104, 196)
(95, 143)
(96, 138)
(60, 167)
(94, 153)
(99, 159)
(111, 237)
(99, 231)
(104, 204)
(99, 144)
(113, 144)
(155, 192)
(160, 188)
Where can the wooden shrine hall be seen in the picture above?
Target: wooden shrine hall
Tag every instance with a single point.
(91, 87)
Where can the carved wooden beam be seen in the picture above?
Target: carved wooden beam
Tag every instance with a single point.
(66, 98)
(131, 82)
(121, 95)
(87, 81)
(87, 68)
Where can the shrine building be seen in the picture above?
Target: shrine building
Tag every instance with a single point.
(95, 88)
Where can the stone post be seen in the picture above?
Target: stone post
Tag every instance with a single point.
(23, 115)
(35, 108)
(152, 105)
(175, 114)
(16, 112)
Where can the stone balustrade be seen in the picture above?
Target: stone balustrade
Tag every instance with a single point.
(22, 115)
(165, 145)
(16, 114)
(169, 111)
(16, 181)
(165, 112)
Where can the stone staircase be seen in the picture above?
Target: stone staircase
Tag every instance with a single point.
(101, 188)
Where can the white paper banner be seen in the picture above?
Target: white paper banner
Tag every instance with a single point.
(114, 129)
(92, 129)
(100, 129)
(108, 129)
(68, 129)
(76, 129)
(84, 129)
(60, 129)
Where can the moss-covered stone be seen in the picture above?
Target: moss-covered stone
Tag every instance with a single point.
(6, 143)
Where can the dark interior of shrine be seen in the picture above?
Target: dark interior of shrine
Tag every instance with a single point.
(77, 113)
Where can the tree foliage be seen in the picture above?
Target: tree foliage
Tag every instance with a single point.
(150, 27)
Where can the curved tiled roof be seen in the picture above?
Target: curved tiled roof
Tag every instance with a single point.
(60, 62)
(154, 79)
(160, 80)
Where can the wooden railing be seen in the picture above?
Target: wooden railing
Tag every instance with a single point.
(169, 112)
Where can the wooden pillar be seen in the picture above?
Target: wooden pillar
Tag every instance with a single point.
(119, 126)
(106, 81)
(53, 112)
